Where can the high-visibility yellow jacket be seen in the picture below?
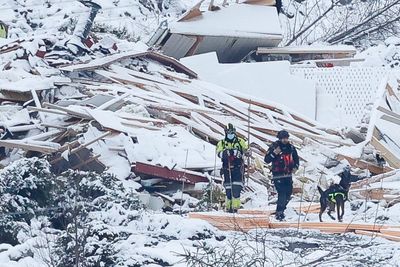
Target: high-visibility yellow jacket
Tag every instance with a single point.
(236, 144)
(3, 31)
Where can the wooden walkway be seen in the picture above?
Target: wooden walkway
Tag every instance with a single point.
(247, 220)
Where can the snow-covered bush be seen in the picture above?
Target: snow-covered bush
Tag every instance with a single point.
(86, 208)
(26, 188)
(95, 205)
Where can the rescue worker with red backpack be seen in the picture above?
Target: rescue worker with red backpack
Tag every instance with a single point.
(285, 161)
(231, 150)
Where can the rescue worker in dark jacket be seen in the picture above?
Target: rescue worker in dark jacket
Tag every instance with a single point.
(285, 161)
(231, 150)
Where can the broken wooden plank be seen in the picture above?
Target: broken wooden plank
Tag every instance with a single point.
(134, 117)
(375, 194)
(192, 12)
(69, 146)
(187, 176)
(388, 112)
(44, 136)
(37, 103)
(139, 125)
(373, 168)
(391, 92)
(390, 119)
(23, 128)
(69, 111)
(373, 179)
(385, 153)
(205, 132)
(57, 112)
(274, 109)
(32, 146)
(94, 140)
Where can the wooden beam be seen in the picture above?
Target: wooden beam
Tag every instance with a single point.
(304, 134)
(373, 168)
(192, 12)
(29, 146)
(260, 2)
(86, 162)
(391, 231)
(375, 234)
(69, 146)
(139, 125)
(23, 128)
(385, 153)
(390, 91)
(47, 110)
(390, 119)
(37, 103)
(378, 194)
(69, 111)
(373, 179)
(233, 222)
(327, 225)
(388, 112)
(187, 176)
(94, 140)
(44, 136)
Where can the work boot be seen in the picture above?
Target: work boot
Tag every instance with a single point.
(236, 203)
(279, 215)
(228, 205)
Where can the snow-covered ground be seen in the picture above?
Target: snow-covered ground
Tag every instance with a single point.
(122, 233)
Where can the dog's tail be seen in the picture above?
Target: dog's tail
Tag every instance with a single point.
(320, 190)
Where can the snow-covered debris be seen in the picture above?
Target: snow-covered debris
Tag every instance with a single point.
(223, 28)
(91, 112)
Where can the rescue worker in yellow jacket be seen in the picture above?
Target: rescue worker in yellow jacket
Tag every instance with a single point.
(231, 150)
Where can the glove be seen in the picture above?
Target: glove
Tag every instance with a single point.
(277, 150)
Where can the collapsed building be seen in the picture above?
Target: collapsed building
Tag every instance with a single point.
(142, 115)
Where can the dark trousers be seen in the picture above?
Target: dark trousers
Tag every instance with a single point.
(236, 189)
(234, 181)
(284, 187)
